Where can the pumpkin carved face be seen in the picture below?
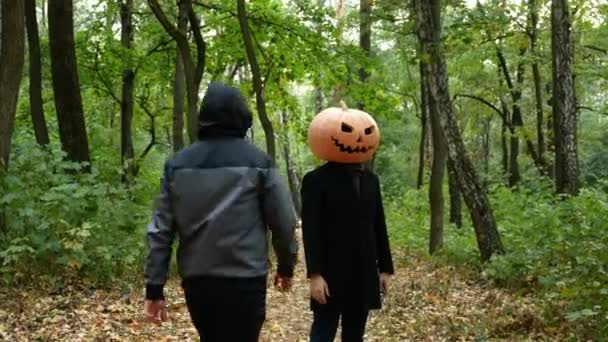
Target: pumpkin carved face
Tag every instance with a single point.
(343, 135)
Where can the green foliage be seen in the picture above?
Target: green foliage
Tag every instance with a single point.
(558, 246)
(64, 225)
(554, 246)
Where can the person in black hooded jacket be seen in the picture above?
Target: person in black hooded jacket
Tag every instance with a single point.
(219, 197)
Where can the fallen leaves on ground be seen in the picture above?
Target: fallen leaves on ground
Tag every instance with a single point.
(426, 303)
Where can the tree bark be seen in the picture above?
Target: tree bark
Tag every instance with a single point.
(365, 41)
(127, 103)
(66, 86)
(292, 175)
(258, 86)
(423, 128)
(179, 84)
(487, 131)
(538, 89)
(437, 175)
(564, 103)
(455, 201)
(516, 118)
(193, 69)
(429, 29)
(12, 50)
(36, 105)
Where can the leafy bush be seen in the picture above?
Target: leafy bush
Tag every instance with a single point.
(65, 225)
(557, 247)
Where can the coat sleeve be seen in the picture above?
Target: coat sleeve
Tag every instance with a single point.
(160, 237)
(311, 225)
(385, 259)
(281, 219)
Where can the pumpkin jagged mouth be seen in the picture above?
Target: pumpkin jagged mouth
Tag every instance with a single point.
(350, 150)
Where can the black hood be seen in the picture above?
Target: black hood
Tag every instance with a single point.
(224, 111)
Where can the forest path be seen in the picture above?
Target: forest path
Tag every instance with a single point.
(426, 303)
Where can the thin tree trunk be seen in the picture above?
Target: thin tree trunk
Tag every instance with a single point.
(504, 146)
(538, 89)
(365, 41)
(423, 128)
(436, 183)
(193, 69)
(487, 130)
(455, 201)
(258, 86)
(126, 103)
(12, 54)
(516, 119)
(429, 30)
(564, 102)
(292, 176)
(179, 84)
(36, 105)
(339, 87)
(66, 86)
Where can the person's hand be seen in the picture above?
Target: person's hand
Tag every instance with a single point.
(385, 279)
(155, 311)
(282, 282)
(319, 290)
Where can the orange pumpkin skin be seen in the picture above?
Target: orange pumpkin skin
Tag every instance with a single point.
(343, 135)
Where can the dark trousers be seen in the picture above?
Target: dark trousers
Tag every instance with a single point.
(325, 324)
(227, 309)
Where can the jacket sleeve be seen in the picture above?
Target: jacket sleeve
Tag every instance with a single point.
(385, 259)
(311, 225)
(160, 237)
(280, 216)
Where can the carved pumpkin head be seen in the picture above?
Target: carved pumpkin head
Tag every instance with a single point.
(343, 135)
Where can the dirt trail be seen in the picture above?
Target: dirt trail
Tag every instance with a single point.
(426, 303)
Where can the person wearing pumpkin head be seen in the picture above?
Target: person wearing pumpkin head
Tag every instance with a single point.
(346, 244)
(219, 196)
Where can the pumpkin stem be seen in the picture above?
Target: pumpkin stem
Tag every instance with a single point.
(344, 106)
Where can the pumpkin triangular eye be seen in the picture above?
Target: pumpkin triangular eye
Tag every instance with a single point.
(369, 130)
(347, 128)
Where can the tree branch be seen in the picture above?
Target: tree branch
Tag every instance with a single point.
(162, 18)
(482, 100)
(105, 82)
(596, 48)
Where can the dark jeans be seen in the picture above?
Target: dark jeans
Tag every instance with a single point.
(326, 320)
(227, 309)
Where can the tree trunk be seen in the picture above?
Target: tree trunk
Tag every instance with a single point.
(292, 175)
(193, 70)
(339, 87)
(436, 183)
(126, 103)
(423, 127)
(538, 89)
(365, 41)
(429, 30)
(66, 86)
(487, 130)
(36, 105)
(455, 202)
(12, 46)
(258, 86)
(504, 146)
(564, 103)
(516, 118)
(179, 84)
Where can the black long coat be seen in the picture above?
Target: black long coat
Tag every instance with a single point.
(345, 237)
